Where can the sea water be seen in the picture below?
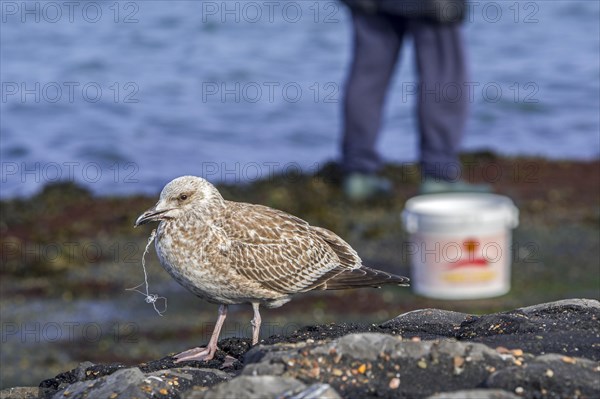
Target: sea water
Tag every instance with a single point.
(124, 96)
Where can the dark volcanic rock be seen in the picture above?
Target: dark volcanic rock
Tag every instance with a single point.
(85, 371)
(132, 382)
(570, 327)
(544, 351)
(552, 376)
(371, 364)
(427, 323)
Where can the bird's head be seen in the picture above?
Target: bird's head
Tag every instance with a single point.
(182, 196)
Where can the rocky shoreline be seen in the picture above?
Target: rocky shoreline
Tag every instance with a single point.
(69, 256)
(550, 350)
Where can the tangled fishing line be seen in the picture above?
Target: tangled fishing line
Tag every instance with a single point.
(150, 298)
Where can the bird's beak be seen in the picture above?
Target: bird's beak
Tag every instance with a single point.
(151, 215)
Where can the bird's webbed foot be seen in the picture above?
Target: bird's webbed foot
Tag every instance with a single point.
(200, 354)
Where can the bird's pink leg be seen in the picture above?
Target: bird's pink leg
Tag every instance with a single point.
(209, 352)
(255, 323)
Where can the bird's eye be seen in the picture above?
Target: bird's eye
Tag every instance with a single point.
(183, 197)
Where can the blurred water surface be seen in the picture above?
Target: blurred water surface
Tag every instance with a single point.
(123, 96)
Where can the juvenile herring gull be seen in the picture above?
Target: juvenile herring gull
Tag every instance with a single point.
(232, 252)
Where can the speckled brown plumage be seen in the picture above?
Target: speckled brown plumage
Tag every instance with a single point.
(230, 252)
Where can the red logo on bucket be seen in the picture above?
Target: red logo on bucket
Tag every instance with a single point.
(470, 258)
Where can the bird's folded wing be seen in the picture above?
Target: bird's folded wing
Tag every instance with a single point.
(348, 257)
(282, 252)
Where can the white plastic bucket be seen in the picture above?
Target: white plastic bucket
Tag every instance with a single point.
(460, 244)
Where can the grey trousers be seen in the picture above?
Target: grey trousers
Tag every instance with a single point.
(441, 93)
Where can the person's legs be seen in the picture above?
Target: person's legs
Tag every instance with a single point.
(443, 100)
(377, 41)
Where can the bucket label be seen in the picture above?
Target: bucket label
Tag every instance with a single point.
(443, 263)
(471, 257)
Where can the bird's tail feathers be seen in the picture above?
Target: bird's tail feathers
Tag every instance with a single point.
(364, 277)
